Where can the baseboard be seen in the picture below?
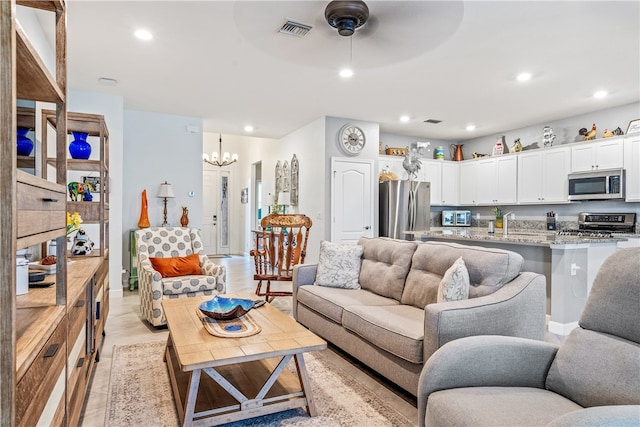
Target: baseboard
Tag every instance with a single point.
(562, 328)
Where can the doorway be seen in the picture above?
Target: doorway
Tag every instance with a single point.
(352, 200)
(215, 211)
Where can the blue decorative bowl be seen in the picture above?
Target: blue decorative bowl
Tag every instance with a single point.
(223, 308)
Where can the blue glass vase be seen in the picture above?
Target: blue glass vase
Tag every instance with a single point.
(79, 148)
(25, 145)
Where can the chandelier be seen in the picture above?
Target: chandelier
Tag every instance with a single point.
(226, 160)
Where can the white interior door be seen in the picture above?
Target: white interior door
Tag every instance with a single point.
(215, 221)
(352, 202)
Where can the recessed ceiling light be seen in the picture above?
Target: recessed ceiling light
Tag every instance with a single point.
(143, 35)
(523, 77)
(404, 119)
(600, 94)
(471, 127)
(248, 128)
(345, 73)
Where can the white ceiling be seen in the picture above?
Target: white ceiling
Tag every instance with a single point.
(454, 61)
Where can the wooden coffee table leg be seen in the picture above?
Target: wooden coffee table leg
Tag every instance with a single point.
(192, 393)
(305, 384)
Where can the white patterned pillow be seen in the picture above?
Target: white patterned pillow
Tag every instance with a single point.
(339, 265)
(454, 285)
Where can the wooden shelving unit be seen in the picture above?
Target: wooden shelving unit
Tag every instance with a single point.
(94, 212)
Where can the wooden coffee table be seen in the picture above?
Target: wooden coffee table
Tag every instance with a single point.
(245, 377)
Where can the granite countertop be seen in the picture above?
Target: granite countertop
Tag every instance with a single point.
(521, 237)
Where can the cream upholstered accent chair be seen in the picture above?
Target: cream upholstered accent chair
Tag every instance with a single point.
(592, 379)
(170, 242)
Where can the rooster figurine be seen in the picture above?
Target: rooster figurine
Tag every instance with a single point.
(412, 165)
(591, 134)
(607, 133)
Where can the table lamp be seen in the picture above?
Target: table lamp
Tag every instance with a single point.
(165, 192)
(284, 199)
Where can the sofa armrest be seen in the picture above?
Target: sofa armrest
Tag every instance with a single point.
(209, 268)
(614, 415)
(485, 361)
(517, 309)
(303, 274)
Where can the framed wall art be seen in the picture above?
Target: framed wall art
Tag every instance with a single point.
(634, 126)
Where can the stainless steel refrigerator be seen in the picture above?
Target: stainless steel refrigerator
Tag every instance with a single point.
(404, 206)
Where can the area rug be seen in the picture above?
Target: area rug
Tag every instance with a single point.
(140, 394)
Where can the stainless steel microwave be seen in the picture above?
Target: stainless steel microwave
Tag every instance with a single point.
(456, 218)
(597, 185)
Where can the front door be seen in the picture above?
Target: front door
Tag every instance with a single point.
(352, 203)
(215, 221)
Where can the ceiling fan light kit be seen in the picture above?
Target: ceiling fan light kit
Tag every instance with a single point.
(346, 16)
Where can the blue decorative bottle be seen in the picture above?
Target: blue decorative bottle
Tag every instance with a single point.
(25, 145)
(79, 148)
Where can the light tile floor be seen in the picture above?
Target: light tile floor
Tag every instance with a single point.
(125, 326)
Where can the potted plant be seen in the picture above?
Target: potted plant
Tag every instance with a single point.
(498, 213)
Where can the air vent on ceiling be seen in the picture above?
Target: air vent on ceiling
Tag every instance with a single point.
(293, 28)
(433, 121)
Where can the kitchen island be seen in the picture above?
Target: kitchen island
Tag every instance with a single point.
(569, 263)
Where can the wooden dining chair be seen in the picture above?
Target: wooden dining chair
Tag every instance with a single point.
(279, 246)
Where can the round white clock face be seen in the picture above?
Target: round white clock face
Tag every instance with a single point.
(351, 140)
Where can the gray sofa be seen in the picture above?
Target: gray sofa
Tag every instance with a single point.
(592, 379)
(393, 323)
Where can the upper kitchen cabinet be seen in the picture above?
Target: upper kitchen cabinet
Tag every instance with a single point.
(495, 180)
(443, 176)
(542, 175)
(603, 154)
(632, 167)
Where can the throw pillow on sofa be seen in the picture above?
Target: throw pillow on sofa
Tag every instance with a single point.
(454, 285)
(339, 265)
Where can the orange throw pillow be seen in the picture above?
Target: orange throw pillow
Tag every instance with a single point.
(177, 266)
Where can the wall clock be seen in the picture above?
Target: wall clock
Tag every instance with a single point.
(351, 139)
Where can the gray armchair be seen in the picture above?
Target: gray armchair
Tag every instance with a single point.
(593, 378)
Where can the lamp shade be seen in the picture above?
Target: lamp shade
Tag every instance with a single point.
(165, 190)
(284, 198)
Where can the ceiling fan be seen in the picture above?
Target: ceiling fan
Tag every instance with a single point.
(346, 15)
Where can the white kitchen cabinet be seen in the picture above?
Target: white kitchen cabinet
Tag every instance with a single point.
(632, 167)
(394, 164)
(468, 184)
(431, 171)
(496, 180)
(542, 176)
(604, 154)
(450, 183)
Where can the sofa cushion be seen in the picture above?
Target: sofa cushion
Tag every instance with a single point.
(339, 265)
(489, 269)
(614, 300)
(385, 265)
(496, 406)
(187, 284)
(578, 373)
(398, 329)
(330, 302)
(454, 285)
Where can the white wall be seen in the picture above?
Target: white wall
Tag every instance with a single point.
(566, 129)
(159, 148)
(111, 107)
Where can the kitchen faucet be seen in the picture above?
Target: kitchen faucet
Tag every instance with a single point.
(505, 223)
